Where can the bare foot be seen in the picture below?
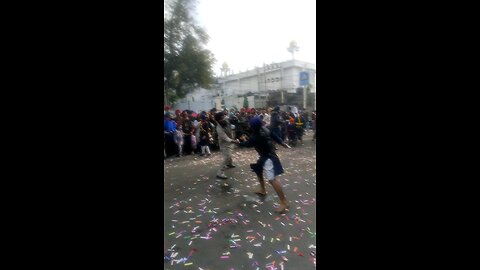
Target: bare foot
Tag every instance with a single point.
(282, 208)
(261, 192)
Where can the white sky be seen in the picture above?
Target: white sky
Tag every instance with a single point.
(248, 33)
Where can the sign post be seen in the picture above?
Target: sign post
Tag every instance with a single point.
(304, 82)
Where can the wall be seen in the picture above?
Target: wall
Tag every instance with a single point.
(232, 101)
(199, 100)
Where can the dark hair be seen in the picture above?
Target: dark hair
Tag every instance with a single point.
(219, 116)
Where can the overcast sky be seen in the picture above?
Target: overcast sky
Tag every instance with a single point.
(248, 33)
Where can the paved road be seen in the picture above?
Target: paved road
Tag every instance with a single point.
(214, 224)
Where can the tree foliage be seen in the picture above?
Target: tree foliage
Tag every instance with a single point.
(245, 102)
(187, 63)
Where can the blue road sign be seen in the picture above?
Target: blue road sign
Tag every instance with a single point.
(304, 78)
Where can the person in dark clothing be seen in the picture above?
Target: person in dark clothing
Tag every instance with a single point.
(188, 130)
(268, 162)
(292, 132)
(242, 125)
(306, 116)
(300, 127)
(205, 135)
(314, 125)
(276, 122)
(213, 125)
(284, 125)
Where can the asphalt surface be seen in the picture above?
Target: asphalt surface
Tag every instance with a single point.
(215, 224)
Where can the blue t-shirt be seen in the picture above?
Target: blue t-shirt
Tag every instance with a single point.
(169, 125)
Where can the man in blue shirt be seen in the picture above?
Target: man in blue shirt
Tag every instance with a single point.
(168, 124)
(169, 127)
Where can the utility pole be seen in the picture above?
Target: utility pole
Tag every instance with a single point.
(265, 76)
(304, 96)
(305, 88)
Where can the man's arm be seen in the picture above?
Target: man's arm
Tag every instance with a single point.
(222, 135)
(279, 140)
(276, 138)
(247, 143)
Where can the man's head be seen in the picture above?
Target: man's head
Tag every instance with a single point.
(219, 116)
(256, 123)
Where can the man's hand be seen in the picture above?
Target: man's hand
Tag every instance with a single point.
(286, 146)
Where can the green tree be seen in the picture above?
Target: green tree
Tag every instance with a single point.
(245, 102)
(187, 63)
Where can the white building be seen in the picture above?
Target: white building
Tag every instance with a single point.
(256, 85)
(272, 77)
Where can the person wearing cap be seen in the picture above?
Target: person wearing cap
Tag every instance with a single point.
(226, 143)
(268, 162)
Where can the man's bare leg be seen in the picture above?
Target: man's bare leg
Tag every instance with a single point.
(262, 190)
(283, 200)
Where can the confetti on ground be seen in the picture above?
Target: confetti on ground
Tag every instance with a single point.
(220, 224)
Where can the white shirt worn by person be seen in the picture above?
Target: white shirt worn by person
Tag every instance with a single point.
(266, 119)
